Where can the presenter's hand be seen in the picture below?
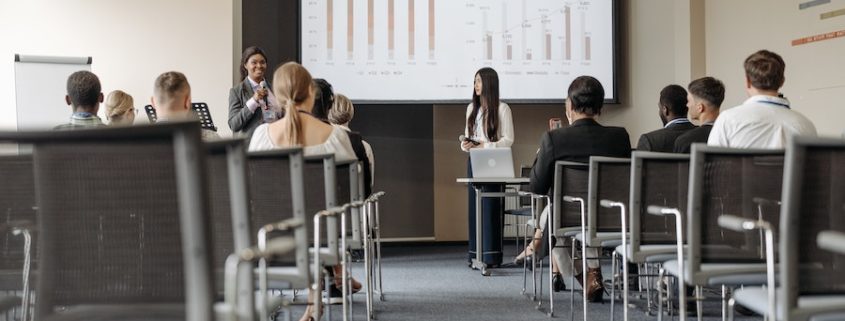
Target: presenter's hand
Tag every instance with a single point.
(260, 94)
(468, 145)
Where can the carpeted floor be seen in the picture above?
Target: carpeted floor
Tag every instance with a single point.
(434, 283)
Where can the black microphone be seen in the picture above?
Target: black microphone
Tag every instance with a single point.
(263, 85)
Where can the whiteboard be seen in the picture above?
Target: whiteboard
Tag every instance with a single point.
(40, 89)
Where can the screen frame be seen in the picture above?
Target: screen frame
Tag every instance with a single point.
(615, 49)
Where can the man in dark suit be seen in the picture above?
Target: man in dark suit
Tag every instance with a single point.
(584, 137)
(673, 113)
(704, 100)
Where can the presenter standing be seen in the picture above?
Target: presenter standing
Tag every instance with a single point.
(251, 102)
(488, 124)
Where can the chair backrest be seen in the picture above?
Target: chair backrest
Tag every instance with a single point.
(122, 218)
(350, 189)
(656, 179)
(17, 203)
(229, 192)
(525, 172)
(320, 194)
(813, 200)
(609, 179)
(277, 192)
(571, 179)
(730, 181)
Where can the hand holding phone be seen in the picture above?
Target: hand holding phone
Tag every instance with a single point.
(555, 123)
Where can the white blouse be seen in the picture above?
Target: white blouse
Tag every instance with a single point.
(337, 143)
(505, 128)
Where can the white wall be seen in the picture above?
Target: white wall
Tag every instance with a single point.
(131, 41)
(815, 73)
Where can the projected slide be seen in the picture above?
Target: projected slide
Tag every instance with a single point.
(407, 50)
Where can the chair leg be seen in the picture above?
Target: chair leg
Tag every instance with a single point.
(724, 302)
(613, 275)
(731, 303)
(699, 297)
(660, 275)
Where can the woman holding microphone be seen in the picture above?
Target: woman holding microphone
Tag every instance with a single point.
(488, 124)
(251, 102)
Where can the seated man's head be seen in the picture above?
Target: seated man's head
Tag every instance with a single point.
(673, 103)
(172, 96)
(705, 98)
(585, 98)
(764, 73)
(84, 93)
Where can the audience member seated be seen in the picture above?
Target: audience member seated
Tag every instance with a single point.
(172, 100)
(294, 89)
(672, 108)
(341, 114)
(704, 100)
(766, 119)
(583, 138)
(84, 96)
(120, 108)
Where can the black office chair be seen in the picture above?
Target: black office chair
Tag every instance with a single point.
(17, 217)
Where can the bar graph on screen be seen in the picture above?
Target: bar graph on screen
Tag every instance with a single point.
(434, 46)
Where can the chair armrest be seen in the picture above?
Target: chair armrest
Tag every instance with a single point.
(832, 241)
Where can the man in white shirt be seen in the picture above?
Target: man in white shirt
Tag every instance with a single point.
(765, 119)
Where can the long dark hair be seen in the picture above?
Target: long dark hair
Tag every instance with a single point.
(249, 52)
(490, 95)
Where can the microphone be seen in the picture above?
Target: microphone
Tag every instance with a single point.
(263, 85)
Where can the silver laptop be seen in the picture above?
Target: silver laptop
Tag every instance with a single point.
(491, 162)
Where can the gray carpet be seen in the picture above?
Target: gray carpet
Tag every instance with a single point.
(434, 283)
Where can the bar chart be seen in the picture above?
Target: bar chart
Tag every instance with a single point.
(397, 43)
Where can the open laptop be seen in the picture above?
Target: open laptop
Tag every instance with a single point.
(491, 162)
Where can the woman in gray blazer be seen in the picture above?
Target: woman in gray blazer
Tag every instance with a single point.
(251, 102)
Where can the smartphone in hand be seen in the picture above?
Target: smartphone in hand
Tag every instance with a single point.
(470, 140)
(555, 123)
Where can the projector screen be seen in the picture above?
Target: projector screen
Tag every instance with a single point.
(429, 50)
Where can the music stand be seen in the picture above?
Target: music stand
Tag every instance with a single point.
(200, 109)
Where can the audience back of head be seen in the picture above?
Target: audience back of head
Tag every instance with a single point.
(342, 111)
(323, 99)
(673, 102)
(586, 96)
(764, 70)
(172, 95)
(120, 107)
(293, 86)
(84, 93)
(708, 91)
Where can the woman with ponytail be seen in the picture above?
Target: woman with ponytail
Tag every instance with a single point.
(488, 124)
(293, 87)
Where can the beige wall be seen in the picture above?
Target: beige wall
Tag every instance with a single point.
(131, 41)
(814, 72)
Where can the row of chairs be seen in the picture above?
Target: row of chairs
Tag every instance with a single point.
(150, 223)
(689, 216)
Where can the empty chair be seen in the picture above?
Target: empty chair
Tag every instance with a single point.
(812, 285)
(727, 181)
(656, 179)
(123, 231)
(568, 203)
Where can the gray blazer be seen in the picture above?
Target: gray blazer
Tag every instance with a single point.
(241, 119)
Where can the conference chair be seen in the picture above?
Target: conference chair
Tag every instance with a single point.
(372, 250)
(17, 220)
(812, 285)
(569, 196)
(523, 214)
(117, 207)
(277, 193)
(608, 187)
(725, 181)
(656, 179)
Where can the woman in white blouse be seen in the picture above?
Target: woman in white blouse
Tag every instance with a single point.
(293, 88)
(488, 124)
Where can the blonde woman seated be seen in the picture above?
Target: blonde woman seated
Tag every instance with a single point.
(294, 90)
(341, 114)
(120, 108)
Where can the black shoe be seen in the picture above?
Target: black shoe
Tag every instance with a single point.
(335, 296)
(557, 283)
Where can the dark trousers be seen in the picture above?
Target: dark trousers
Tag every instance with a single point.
(491, 220)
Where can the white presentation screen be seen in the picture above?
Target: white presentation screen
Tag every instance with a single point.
(429, 50)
